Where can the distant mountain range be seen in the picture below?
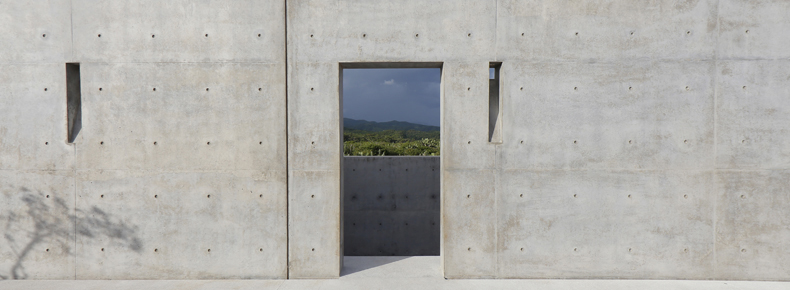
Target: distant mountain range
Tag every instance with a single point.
(381, 126)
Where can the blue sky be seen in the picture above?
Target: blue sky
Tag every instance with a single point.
(382, 95)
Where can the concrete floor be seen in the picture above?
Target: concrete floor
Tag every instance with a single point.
(390, 273)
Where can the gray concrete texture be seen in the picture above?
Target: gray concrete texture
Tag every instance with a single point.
(391, 206)
(639, 140)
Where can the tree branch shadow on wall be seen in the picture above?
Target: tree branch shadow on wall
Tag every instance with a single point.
(48, 218)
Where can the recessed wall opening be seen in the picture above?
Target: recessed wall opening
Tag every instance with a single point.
(494, 104)
(73, 101)
(391, 165)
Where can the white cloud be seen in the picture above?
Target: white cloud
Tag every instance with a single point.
(389, 82)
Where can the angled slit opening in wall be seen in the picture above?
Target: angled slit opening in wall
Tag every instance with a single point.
(494, 103)
(73, 101)
(391, 163)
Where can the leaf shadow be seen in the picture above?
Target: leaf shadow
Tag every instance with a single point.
(47, 218)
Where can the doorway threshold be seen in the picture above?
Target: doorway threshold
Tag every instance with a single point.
(363, 267)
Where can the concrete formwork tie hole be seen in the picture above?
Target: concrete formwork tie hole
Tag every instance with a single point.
(99, 35)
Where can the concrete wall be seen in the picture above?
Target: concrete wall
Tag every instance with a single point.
(639, 140)
(187, 181)
(391, 206)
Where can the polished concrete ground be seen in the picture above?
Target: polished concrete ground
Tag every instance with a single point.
(391, 273)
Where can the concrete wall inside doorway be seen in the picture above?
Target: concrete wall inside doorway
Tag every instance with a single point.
(391, 206)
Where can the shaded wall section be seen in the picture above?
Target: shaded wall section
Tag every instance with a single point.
(391, 206)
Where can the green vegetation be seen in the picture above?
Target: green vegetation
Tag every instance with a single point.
(390, 143)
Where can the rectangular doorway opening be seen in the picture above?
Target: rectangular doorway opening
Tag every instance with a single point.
(391, 164)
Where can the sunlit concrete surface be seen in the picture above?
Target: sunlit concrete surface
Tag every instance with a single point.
(390, 273)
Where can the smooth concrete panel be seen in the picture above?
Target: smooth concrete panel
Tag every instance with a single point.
(633, 115)
(753, 114)
(469, 228)
(544, 30)
(314, 117)
(181, 225)
(33, 130)
(37, 220)
(396, 183)
(179, 31)
(391, 233)
(314, 229)
(752, 225)
(200, 116)
(400, 30)
(36, 31)
(606, 224)
(464, 107)
(753, 29)
(391, 205)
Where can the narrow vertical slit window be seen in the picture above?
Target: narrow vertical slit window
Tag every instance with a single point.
(73, 100)
(494, 103)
